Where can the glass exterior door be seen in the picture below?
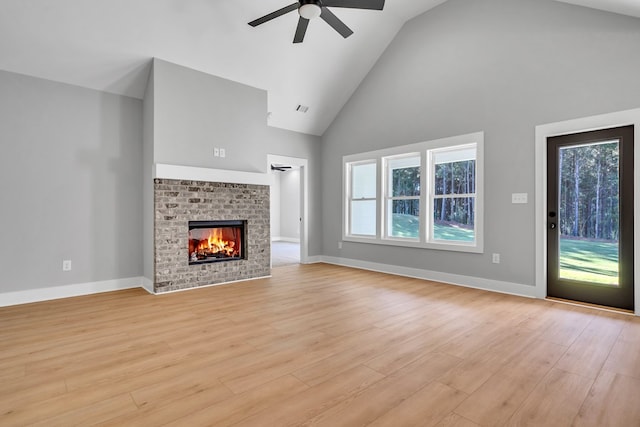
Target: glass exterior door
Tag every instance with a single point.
(590, 217)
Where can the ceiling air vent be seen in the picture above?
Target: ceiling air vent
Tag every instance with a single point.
(302, 108)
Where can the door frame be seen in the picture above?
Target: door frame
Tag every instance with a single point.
(603, 121)
(303, 164)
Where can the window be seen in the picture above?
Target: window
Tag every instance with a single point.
(362, 203)
(453, 194)
(402, 196)
(426, 195)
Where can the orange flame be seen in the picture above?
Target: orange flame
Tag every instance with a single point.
(215, 243)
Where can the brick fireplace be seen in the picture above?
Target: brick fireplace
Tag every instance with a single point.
(181, 202)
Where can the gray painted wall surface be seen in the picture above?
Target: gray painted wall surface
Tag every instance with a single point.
(71, 184)
(290, 204)
(274, 204)
(148, 105)
(499, 66)
(195, 112)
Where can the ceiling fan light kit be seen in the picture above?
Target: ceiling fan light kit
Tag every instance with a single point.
(310, 9)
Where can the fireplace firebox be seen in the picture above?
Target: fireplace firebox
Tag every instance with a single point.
(215, 241)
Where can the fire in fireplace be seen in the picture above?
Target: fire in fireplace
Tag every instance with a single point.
(214, 241)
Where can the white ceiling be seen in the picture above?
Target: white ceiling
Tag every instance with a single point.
(107, 45)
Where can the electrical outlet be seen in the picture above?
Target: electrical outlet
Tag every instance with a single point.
(519, 198)
(495, 258)
(66, 265)
(216, 152)
(223, 152)
(339, 245)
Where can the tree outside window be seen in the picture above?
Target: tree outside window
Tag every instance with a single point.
(454, 193)
(403, 196)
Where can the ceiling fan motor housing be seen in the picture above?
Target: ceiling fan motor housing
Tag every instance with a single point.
(310, 9)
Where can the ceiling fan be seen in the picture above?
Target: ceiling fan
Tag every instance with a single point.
(280, 168)
(309, 9)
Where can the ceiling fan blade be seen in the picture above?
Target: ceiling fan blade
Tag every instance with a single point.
(335, 23)
(275, 14)
(301, 30)
(355, 4)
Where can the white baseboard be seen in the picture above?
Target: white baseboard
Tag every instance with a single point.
(286, 239)
(315, 259)
(147, 285)
(436, 276)
(67, 291)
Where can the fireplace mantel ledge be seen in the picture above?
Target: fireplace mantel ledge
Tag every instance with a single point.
(210, 175)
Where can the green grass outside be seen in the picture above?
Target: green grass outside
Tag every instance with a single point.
(589, 261)
(408, 226)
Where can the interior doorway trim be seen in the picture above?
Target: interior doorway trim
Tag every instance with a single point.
(303, 164)
(604, 121)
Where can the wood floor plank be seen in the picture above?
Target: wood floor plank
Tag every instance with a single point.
(317, 344)
(66, 407)
(503, 393)
(624, 358)
(554, 402)
(402, 355)
(170, 408)
(592, 347)
(315, 400)
(235, 409)
(561, 324)
(93, 414)
(472, 372)
(386, 394)
(612, 402)
(455, 420)
(427, 407)
(30, 391)
(630, 330)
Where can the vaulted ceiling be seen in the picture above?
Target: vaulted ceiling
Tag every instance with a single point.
(107, 45)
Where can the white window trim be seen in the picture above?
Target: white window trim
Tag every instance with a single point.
(347, 188)
(422, 148)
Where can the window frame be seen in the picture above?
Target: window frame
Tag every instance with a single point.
(426, 152)
(349, 198)
(432, 196)
(389, 198)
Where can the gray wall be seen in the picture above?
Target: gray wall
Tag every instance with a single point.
(70, 182)
(290, 204)
(148, 107)
(195, 112)
(274, 200)
(499, 66)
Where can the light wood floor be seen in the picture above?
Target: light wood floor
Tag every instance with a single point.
(321, 345)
